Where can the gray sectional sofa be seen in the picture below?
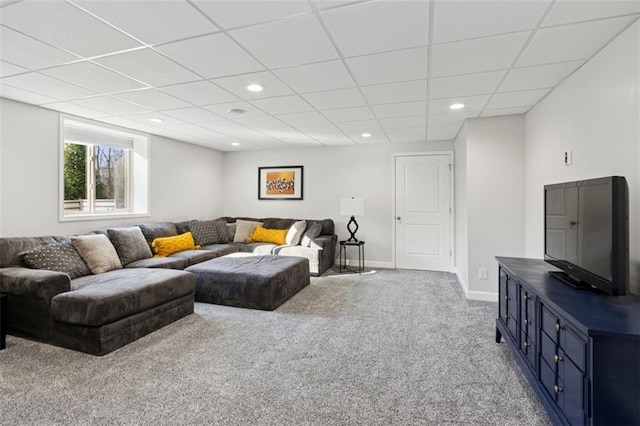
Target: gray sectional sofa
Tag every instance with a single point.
(97, 313)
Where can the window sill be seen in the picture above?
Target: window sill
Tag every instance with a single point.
(110, 216)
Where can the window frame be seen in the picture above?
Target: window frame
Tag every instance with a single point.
(138, 159)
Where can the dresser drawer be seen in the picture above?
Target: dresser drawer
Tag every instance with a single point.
(570, 392)
(528, 347)
(550, 323)
(548, 379)
(573, 346)
(548, 349)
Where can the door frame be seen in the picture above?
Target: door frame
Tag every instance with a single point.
(452, 197)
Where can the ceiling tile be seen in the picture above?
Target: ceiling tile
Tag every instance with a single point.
(538, 77)
(27, 52)
(7, 69)
(163, 22)
(326, 133)
(396, 92)
(570, 11)
(332, 4)
(360, 126)
(152, 99)
(483, 54)
(149, 67)
(232, 14)
(72, 108)
(223, 110)
(287, 43)
(316, 77)
(199, 93)
(442, 133)
(130, 124)
(472, 103)
(109, 105)
(340, 115)
(460, 20)
(237, 85)
(504, 111)
(65, 26)
(517, 99)
(94, 77)
(402, 122)
(24, 95)
(407, 134)
(402, 109)
(465, 85)
(342, 98)
(193, 115)
(167, 122)
(571, 42)
(303, 119)
(376, 139)
(451, 118)
(374, 26)
(223, 56)
(402, 65)
(47, 86)
(282, 105)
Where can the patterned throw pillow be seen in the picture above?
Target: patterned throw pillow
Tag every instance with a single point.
(295, 233)
(209, 232)
(60, 257)
(312, 232)
(164, 246)
(244, 229)
(273, 236)
(130, 244)
(97, 252)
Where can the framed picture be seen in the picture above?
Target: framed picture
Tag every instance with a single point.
(280, 183)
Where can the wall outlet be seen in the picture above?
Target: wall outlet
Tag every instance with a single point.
(482, 273)
(567, 157)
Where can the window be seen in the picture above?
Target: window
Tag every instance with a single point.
(104, 171)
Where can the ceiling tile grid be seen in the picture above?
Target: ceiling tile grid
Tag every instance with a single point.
(330, 70)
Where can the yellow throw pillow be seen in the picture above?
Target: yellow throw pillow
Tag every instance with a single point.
(264, 235)
(164, 246)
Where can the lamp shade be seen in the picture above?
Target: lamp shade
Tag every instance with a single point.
(352, 206)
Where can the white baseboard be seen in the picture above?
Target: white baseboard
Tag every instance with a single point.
(475, 295)
(369, 264)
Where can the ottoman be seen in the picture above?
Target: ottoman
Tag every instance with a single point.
(257, 282)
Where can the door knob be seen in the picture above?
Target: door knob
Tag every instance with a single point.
(398, 217)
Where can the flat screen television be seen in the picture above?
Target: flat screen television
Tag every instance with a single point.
(587, 233)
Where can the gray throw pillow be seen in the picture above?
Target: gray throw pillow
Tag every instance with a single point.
(60, 257)
(296, 232)
(231, 231)
(207, 232)
(130, 244)
(312, 232)
(97, 252)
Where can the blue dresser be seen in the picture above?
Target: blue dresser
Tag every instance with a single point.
(579, 350)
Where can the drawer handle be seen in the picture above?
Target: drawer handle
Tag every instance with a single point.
(506, 298)
(557, 358)
(527, 344)
(557, 389)
(507, 316)
(558, 327)
(526, 322)
(525, 297)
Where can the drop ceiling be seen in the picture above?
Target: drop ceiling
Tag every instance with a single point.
(331, 69)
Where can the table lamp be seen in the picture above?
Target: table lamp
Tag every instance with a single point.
(352, 207)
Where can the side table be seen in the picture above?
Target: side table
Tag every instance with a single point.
(343, 255)
(3, 321)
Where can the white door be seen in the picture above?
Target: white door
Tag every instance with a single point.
(423, 212)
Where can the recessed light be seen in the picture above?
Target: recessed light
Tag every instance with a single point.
(255, 88)
(456, 106)
(236, 111)
(156, 120)
(366, 135)
(235, 143)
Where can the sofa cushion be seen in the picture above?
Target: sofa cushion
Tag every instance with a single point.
(96, 300)
(313, 254)
(257, 248)
(182, 227)
(312, 232)
(209, 232)
(97, 252)
(151, 231)
(59, 257)
(130, 244)
(165, 246)
(222, 249)
(159, 262)
(295, 233)
(12, 247)
(231, 231)
(195, 256)
(273, 236)
(244, 229)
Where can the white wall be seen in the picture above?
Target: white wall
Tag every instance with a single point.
(596, 114)
(186, 180)
(461, 239)
(330, 174)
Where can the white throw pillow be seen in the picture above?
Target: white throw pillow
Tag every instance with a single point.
(244, 229)
(295, 233)
(97, 252)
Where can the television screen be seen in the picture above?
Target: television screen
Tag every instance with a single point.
(586, 232)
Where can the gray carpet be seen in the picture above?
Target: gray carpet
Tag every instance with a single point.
(389, 348)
